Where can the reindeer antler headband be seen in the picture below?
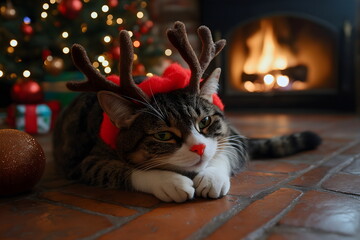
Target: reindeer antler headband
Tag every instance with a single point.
(179, 40)
(177, 36)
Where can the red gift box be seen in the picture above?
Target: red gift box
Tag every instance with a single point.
(31, 118)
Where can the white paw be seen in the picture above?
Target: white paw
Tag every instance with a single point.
(165, 185)
(174, 187)
(209, 183)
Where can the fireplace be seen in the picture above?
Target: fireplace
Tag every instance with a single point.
(286, 54)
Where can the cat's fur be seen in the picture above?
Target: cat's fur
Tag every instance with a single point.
(175, 145)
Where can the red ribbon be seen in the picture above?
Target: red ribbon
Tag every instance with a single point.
(30, 118)
(55, 107)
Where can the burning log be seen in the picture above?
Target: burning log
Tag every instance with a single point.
(296, 73)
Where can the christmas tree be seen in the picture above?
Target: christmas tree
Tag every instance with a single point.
(36, 37)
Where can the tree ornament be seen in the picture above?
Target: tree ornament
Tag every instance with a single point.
(113, 3)
(144, 29)
(70, 8)
(138, 70)
(115, 52)
(45, 54)
(8, 11)
(146, 26)
(150, 40)
(27, 29)
(149, 24)
(22, 162)
(132, 7)
(27, 91)
(54, 65)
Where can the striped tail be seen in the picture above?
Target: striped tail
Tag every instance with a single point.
(282, 146)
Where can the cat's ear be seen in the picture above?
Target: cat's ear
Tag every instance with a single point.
(211, 85)
(121, 111)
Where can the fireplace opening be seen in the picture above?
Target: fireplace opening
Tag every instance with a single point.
(287, 55)
(282, 53)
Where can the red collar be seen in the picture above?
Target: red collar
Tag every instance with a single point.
(174, 77)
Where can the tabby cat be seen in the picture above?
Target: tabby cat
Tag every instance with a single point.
(174, 144)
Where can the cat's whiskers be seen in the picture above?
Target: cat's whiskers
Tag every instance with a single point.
(226, 145)
(145, 166)
(157, 105)
(147, 104)
(163, 161)
(152, 163)
(151, 113)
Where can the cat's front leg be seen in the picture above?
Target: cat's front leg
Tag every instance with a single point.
(214, 180)
(165, 185)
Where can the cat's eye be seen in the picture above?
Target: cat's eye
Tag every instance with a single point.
(205, 122)
(164, 136)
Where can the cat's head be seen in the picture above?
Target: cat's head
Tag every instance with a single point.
(178, 130)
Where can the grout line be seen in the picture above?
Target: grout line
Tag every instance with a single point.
(219, 220)
(335, 169)
(115, 221)
(261, 231)
(320, 189)
(137, 208)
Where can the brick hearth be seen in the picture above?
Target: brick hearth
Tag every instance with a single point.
(311, 195)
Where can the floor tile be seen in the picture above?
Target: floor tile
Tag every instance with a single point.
(276, 166)
(89, 204)
(250, 184)
(28, 219)
(342, 182)
(354, 167)
(173, 221)
(256, 215)
(136, 199)
(327, 212)
(304, 234)
(311, 178)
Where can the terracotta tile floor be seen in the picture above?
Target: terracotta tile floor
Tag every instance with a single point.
(311, 195)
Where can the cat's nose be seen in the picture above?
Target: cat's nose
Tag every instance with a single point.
(198, 149)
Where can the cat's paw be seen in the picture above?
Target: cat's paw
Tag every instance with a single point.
(165, 185)
(209, 183)
(174, 187)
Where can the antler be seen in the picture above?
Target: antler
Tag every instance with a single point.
(96, 81)
(179, 39)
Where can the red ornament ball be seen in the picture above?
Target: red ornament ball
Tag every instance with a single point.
(150, 40)
(70, 8)
(138, 70)
(115, 52)
(22, 162)
(27, 91)
(27, 29)
(113, 3)
(45, 53)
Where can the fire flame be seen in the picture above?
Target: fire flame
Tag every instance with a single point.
(266, 54)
